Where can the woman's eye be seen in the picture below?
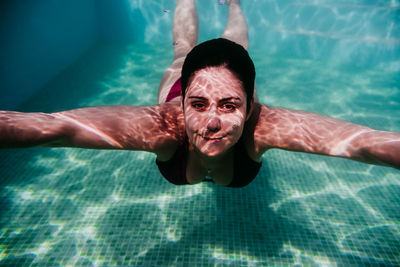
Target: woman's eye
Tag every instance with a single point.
(198, 105)
(229, 107)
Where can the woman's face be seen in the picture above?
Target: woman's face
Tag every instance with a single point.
(214, 110)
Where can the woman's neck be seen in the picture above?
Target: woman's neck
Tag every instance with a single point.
(210, 163)
(219, 168)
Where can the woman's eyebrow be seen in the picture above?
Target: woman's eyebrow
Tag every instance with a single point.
(236, 99)
(232, 98)
(197, 97)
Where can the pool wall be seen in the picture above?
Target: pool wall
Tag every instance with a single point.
(42, 38)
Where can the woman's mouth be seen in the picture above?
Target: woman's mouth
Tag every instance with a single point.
(214, 139)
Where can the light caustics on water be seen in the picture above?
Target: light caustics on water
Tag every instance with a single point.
(96, 207)
(118, 202)
(330, 28)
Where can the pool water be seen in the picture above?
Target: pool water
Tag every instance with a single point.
(113, 208)
(77, 207)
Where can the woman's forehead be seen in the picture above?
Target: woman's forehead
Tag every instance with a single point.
(212, 80)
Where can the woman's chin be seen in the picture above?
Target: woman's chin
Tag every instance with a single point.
(212, 154)
(213, 147)
(213, 151)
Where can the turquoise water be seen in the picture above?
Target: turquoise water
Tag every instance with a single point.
(113, 208)
(76, 207)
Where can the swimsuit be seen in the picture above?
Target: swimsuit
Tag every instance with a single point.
(175, 90)
(244, 168)
(174, 170)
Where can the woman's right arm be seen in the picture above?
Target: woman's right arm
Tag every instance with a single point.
(150, 128)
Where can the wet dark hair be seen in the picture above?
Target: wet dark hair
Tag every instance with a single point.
(220, 52)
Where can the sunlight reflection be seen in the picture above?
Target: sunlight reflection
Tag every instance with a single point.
(301, 256)
(108, 194)
(43, 248)
(218, 253)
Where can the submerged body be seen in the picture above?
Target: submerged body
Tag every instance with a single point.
(161, 129)
(213, 128)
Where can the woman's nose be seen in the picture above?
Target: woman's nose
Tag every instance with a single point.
(214, 124)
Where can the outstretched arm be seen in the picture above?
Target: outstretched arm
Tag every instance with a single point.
(313, 133)
(115, 127)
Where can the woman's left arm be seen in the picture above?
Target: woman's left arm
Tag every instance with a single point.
(313, 133)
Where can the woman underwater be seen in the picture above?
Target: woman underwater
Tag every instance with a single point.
(208, 125)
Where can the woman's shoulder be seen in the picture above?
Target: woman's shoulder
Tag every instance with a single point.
(261, 129)
(172, 120)
(249, 133)
(172, 124)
